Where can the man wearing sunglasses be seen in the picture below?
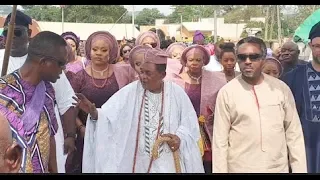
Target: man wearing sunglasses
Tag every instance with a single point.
(65, 137)
(256, 124)
(27, 100)
(304, 82)
(10, 150)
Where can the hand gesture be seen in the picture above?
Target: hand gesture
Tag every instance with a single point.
(83, 103)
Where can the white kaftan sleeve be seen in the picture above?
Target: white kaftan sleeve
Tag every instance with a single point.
(104, 143)
(189, 134)
(63, 93)
(88, 163)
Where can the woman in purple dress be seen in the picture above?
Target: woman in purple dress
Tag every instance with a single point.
(98, 82)
(202, 87)
(77, 63)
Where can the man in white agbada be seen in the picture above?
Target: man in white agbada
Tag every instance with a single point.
(120, 136)
(65, 137)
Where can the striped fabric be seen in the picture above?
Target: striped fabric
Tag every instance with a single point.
(152, 121)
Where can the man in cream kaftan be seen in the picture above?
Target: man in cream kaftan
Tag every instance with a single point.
(256, 137)
(256, 124)
(111, 141)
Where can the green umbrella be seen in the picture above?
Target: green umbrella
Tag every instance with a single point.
(302, 32)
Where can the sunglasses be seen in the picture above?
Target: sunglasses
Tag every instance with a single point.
(252, 57)
(16, 32)
(125, 51)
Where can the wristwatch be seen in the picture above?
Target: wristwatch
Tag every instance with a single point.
(72, 135)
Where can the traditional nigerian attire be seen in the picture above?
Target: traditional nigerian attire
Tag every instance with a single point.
(304, 82)
(150, 34)
(63, 94)
(210, 48)
(107, 37)
(17, 100)
(174, 68)
(276, 62)
(83, 83)
(110, 141)
(137, 50)
(72, 36)
(198, 36)
(76, 66)
(257, 129)
(289, 67)
(173, 46)
(203, 97)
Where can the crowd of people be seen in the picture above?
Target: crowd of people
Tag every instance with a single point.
(146, 106)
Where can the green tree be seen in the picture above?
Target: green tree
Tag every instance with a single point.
(94, 13)
(148, 16)
(126, 19)
(194, 12)
(25, 7)
(190, 13)
(77, 13)
(44, 13)
(244, 13)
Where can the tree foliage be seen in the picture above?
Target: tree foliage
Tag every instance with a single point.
(44, 13)
(291, 16)
(77, 13)
(148, 16)
(190, 12)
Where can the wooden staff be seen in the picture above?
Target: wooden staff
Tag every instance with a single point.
(9, 41)
(176, 157)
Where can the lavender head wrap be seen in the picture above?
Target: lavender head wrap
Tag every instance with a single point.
(72, 36)
(107, 37)
(192, 49)
(173, 46)
(155, 56)
(140, 49)
(147, 34)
